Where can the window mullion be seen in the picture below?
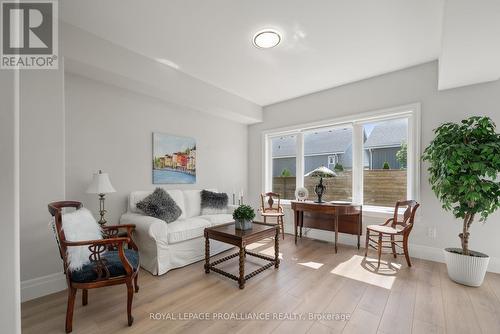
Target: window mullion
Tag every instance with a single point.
(299, 179)
(357, 163)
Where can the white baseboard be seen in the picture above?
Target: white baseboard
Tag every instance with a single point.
(42, 286)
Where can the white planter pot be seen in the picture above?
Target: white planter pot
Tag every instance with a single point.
(466, 269)
(243, 224)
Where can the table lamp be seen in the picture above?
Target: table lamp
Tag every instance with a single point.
(321, 172)
(101, 185)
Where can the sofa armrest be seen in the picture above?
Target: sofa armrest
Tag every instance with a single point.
(146, 225)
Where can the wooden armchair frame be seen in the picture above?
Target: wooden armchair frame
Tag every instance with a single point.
(111, 241)
(271, 210)
(395, 228)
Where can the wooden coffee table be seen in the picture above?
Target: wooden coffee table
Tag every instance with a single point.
(228, 234)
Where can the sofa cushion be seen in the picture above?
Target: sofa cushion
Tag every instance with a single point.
(137, 196)
(186, 229)
(160, 205)
(113, 263)
(218, 219)
(213, 202)
(192, 202)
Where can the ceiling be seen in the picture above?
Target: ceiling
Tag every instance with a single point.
(326, 43)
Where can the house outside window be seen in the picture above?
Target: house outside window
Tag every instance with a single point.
(328, 147)
(374, 155)
(385, 178)
(284, 153)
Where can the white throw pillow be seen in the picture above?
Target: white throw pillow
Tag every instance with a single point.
(79, 225)
(192, 201)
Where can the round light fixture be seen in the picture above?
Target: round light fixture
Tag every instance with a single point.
(266, 39)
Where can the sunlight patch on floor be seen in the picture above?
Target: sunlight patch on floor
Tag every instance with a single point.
(365, 270)
(270, 252)
(255, 245)
(311, 264)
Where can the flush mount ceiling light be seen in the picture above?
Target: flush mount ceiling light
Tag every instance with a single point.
(266, 39)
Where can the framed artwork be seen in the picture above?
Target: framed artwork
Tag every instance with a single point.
(174, 159)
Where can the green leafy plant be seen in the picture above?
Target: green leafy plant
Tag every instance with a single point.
(338, 167)
(286, 172)
(464, 162)
(386, 165)
(402, 155)
(244, 212)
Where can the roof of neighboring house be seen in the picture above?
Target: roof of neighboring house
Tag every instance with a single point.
(327, 142)
(320, 142)
(384, 134)
(387, 134)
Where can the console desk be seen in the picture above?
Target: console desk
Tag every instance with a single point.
(328, 216)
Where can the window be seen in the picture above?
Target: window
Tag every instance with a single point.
(384, 154)
(331, 148)
(284, 165)
(331, 160)
(375, 157)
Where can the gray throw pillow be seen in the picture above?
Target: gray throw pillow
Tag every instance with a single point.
(213, 203)
(160, 205)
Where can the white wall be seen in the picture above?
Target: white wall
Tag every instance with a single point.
(416, 84)
(10, 314)
(111, 128)
(41, 169)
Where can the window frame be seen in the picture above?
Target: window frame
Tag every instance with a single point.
(409, 111)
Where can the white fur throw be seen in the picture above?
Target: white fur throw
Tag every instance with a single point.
(79, 225)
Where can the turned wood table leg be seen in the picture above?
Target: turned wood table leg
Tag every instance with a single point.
(301, 222)
(207, 253)
(296, 222)
(336, 232)
(277, 250)
(241, 280)
(360, 228)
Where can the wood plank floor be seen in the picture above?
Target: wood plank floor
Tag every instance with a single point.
(312, 284)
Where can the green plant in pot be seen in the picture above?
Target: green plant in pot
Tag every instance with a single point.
(464, 162)
(243, 217)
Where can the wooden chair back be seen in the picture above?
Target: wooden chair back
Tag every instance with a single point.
(270, 202)
(410, 208)
(55, 210)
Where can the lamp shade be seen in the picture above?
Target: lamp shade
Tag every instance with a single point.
(100, 184)
(322, 171)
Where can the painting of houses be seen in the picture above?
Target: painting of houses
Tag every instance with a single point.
(174, 159)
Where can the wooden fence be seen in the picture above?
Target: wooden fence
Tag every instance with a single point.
(381, 187)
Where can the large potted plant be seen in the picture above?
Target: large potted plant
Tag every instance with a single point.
(464, 163)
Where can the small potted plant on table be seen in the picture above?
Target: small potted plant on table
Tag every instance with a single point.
(464, 163)
(243, 217)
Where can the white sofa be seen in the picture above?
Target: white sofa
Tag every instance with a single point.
(163, 246)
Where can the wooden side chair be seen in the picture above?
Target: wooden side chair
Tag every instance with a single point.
(110, 263)
(391, 229)
(271, 207)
